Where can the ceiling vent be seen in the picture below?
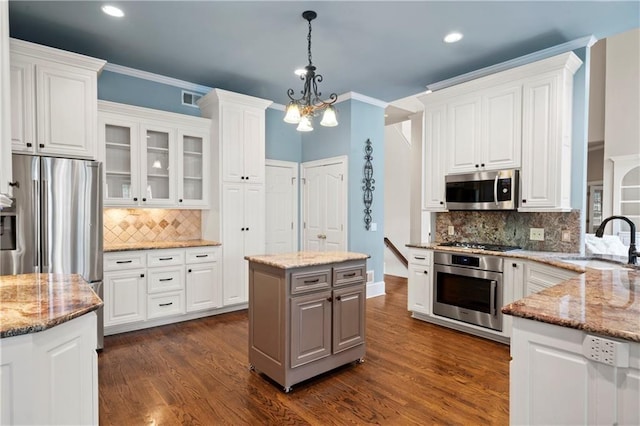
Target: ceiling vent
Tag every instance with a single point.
(190, 98)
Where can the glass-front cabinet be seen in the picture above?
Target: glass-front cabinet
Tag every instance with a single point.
(154, 158)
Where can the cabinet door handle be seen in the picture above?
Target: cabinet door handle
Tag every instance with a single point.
(419, 257)
(481, 164)
(29, 144)
(441, 203)
(124, 261)
(425, 272)
(242, 177)
(189, 270)
(166, 279)
(353, 274)
(312, 281)
(15, 184)
(515, 265)
(166, 258)
(41, 145)
(135, 198)
(141, 275)
(246, 229)
(202, 255)
(524, 201)
(477, 166)
(329, 299)
(338, 298)
(180, 200)
(144, 199)
(165, 304)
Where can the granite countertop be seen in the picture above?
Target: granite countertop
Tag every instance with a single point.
(305, 258)
(34, 302)
(150, 245)
(605, 302)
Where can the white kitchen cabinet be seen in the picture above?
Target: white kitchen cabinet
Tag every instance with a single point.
(420, 281)
(553, 382)
(546, 136)
(58, 368)
(434, 155)
(147, 288)
(6, 175)
(538, 277)
(154, 158)
(125, 288)
(203, 279)
(54, 101)
(463, 134)
(244, 234)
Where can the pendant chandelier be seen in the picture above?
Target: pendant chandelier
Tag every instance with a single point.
(302, 110)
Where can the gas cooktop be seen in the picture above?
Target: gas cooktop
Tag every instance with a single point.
(481, 246)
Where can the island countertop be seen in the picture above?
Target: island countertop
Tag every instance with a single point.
(301, 259)
(151, 245)
(605, 302)
(34, 302)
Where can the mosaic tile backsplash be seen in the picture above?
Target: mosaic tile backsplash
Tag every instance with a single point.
(141, 225)
(511, 228)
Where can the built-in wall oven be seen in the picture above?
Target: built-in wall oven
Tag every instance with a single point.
(468, 288)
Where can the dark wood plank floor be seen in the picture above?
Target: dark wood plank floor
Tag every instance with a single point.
(196, 373)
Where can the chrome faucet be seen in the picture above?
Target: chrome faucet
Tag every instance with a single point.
(633, 255)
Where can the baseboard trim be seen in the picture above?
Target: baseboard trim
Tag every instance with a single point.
(375, 289)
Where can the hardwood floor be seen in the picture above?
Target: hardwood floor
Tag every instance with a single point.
(196, 373)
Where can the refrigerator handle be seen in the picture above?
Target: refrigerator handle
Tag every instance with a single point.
(45, 227)
(35, 194)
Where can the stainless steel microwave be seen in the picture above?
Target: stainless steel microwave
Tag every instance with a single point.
(496, 190)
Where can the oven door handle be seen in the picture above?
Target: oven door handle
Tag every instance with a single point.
(492, 305)
(495, 189)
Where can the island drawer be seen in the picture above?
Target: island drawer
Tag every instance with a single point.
(165, 257)
(311, 280)
(124, 260)
(349, 274)
(165, 304)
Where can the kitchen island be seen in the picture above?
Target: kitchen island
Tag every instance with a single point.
(575, 351)
(48, 359)
(306, 313)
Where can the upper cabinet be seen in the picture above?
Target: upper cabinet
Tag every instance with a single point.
(239, 134)
(515, 119)
(6, 175)
(53, 101)
(154, 158)
(546, 137)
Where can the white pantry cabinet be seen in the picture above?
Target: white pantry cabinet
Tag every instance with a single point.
(6, 175)
(546, 136)
(51, 377)
(553, 382)
(53, 101)
(154, 158)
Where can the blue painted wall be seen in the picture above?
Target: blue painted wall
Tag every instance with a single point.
(130, 90)
(283, 141)
(325, 142)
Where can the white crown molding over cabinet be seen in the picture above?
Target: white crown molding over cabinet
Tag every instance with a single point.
(519, 118)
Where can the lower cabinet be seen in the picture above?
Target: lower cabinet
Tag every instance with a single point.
(553, 382)
(538, 277)
(145, 288)
(305, 321)
(420, 281)
(51, 377)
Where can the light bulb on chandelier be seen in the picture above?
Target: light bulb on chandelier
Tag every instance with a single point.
(302, 110)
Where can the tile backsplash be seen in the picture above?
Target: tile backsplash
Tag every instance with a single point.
(511, 228)
(141, 225)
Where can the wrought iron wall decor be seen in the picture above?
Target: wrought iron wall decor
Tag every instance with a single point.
(368, 182)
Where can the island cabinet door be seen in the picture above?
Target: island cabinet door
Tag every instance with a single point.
(310, 327)
(348, 317)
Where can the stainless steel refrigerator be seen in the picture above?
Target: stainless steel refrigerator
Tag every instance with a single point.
(58, 220)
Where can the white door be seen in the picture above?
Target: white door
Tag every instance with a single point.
(281, 206)
(325, 205)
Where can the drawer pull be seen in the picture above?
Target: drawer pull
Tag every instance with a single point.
(165, 304)
(166, 258)
(202, 255)
(311, 281)
(353, 274)
(418, 257)
(124, 261)
(166, 279)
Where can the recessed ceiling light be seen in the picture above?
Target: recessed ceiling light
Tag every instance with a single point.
(300, 72)
(452, 37)
(112, 11)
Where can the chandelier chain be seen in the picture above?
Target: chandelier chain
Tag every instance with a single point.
(309, 42)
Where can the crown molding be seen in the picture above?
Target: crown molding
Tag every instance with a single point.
(279, 107)
(569, 46)
(56, 55)
(157, 78)
(362, 98)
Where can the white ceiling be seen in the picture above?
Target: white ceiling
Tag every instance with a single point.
(387, 50)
